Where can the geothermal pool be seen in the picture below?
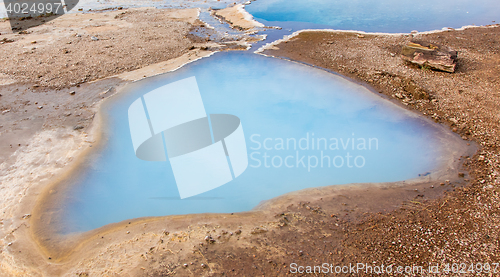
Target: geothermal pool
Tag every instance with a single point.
(391, 16)
(293, 117)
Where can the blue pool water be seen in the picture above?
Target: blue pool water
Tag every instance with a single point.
(275, 100)
(375, 16)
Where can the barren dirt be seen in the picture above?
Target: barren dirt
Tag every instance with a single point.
(87, 47)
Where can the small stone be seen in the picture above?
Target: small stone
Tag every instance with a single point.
(461, 174)
(78, 127)
(10, 243)
(72, 92)
(33, 42)
(360, 36)
(185, 265)
(258, 230)
(203, 265)
(106, 91)
(128, 232)
(94, 38)
(209, 239)
(6, 111)
(238, 232)
(429, 55)
(40, 107)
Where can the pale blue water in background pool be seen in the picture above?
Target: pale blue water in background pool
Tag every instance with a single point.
(274, 99)
(391, 16)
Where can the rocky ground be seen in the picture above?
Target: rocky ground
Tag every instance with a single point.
(88, 47)
(44, 128)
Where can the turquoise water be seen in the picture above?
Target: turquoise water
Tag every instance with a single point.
(374, 15)
(275, 100)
